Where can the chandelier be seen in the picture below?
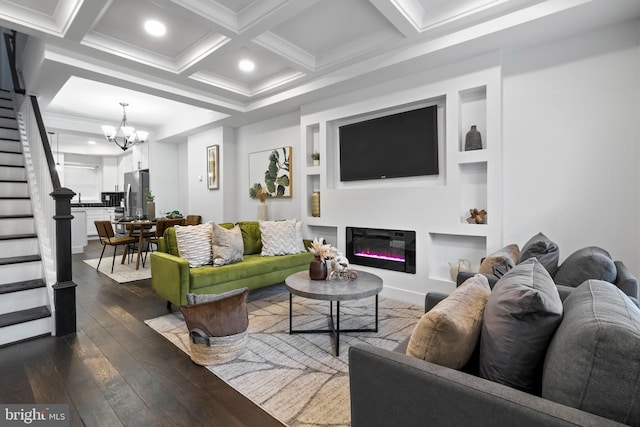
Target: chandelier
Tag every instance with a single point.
(124, 136)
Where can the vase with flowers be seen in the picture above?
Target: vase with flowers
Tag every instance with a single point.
(321, 253)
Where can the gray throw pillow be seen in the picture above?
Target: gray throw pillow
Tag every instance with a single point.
(501, 261)
(520, 318)
(584, 264)
(592, 361)
(546, 251)
(226, 245)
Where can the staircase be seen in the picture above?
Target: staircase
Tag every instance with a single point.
(24, 301)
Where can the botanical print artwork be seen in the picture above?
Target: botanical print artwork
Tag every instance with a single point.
(270, 173)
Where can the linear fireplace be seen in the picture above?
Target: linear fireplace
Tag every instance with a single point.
(387, 249)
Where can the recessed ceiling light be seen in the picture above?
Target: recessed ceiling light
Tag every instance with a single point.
(155, 28)
(247, 65)
(91, 142)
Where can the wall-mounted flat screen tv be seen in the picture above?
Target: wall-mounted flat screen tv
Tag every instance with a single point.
(398, 145)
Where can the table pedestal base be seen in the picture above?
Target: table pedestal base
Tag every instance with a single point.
(334, 329)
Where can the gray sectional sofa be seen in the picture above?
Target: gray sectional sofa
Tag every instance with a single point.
(591, 375)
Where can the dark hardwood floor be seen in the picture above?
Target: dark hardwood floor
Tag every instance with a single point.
(116, 370)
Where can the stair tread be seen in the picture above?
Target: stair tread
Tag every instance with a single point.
(23, 316)
(19, 259)
(19, 236)
(22, 286)
(16, 216)
(15, 181)
(14, 197)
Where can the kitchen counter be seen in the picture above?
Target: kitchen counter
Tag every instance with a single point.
(90, 205)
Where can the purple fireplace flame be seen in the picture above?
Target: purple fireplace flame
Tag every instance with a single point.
(380, 248)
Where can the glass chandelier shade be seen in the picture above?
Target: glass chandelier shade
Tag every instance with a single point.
(124, 136)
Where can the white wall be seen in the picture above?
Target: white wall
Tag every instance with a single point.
(571, 140)
(163, 176)
(212, 205)
(278, 132)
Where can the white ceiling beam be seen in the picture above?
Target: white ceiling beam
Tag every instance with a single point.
(109, 73)
(85, 18)
(292, 54)
(405, 15)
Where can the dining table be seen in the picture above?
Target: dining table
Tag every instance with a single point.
(140, 230)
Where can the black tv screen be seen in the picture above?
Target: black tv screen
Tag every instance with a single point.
(399, 145)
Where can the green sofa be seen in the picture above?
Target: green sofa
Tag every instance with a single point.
(172, 279)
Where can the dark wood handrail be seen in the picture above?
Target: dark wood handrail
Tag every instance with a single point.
(9, 44)
(42, 130)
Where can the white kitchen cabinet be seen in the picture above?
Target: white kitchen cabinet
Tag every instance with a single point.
(78, 231)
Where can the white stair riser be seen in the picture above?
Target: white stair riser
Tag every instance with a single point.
(17, 226)
(5, 102)
(8, 122)
(18, 247)
(21, 271)
(25, 331)
(14, 189)
(7, 112)
(11, 159)
(16, 301)
(13, 173)
(9, 134)
(13, 207)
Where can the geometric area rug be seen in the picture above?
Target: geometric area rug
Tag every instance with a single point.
(296, 378)
(122, 273)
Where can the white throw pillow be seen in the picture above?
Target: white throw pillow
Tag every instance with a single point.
(227, 245)
(279, 237)
(194, 243)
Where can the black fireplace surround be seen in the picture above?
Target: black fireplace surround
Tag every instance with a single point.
(388, 249)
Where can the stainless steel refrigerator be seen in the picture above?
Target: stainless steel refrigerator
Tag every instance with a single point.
(136, 184)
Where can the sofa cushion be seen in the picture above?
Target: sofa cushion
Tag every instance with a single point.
(592, 362)
(251, 237)
(279, 238)
(448, 333)
(169, 243)
(226, 245)
(251, 266)
(587, 263)
(522, 313)
(501, 261)
(546, 251)
(194, 243)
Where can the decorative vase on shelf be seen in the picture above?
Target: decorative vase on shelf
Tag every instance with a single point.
(315, 204)
(473, 140)
(317, 269)
(263, 213)
(456, 267)
(151, 210)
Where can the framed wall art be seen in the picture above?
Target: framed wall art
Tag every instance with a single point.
(213, 181)
(270, 173)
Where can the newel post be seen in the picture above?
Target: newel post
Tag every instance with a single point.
(64, 290)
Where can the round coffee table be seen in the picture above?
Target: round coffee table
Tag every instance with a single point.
(366, 285)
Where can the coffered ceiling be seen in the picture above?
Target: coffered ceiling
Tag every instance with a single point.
(94, 54)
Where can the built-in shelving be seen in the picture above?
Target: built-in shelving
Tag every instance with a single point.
(437, 208)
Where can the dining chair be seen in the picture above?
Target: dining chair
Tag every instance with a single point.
(108, 238)
(193, 220)
(161, 225)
